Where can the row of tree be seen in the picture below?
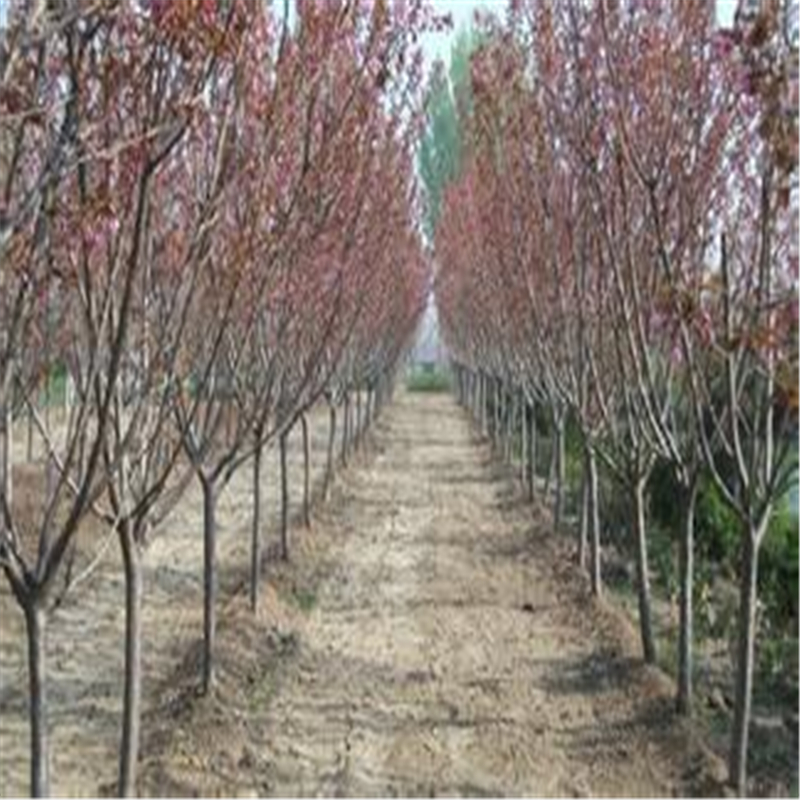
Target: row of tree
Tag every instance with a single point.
(206, 225)
(618, 251)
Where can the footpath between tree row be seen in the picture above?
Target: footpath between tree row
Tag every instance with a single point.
(429, 637)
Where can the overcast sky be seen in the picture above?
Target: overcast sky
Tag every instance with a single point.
(437, 45)
(462, 11)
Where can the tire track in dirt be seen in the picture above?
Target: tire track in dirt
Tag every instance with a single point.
(451, 651)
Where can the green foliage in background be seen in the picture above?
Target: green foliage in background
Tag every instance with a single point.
(428, 380)
(448, 100)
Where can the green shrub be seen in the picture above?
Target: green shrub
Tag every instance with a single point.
(718, 531)
(428, 381)
(777, 579)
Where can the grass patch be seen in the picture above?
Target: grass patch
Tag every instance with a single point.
(304, 599)
(425, 380)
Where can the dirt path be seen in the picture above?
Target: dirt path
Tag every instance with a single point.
(428, 637)
(449, 651)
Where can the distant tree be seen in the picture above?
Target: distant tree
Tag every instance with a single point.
(449, 100)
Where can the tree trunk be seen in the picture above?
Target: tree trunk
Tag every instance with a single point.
(229, 410)
(496, 415)
(331, 444)
(255, 536)
(132, 695)
(81, 460)
(284, 499)
(345, 426)
(358, 421)
(35, 620)
(306, 473)
(6, 450)
(558, 500)
(29, 453)
(531, 445)
(511, 421)
(642, 572)
(523, 440)
(686, 626)
(748, 595)
(484, 406)
(583, 524)
(209, 581)
(69, 395)
(594, 524)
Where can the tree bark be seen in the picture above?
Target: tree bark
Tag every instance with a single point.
(523, 442)
(357, 440)
(209, 581)
(132, 694)
(6, 450)
(35, 621)
(594, 525)
(558, 500)
(686, 625)
(255, 536)
(583, 523)
(484, 406)
(531, 445)
(496, 415)
(345, 426)
(29, 449)
(511, 421)
(331, 444)
(642, 571)
(748, 595)
(284, 499)
(306, 473)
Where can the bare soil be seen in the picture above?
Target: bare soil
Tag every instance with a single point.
(85, 632)
(429, 637)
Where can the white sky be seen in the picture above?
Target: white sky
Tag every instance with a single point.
(437, 45)
(462, 11)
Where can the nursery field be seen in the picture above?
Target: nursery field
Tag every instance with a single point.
(376, 422)
(427, 637)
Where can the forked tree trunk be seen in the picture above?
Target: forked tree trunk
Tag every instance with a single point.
(255, 534)
(642, 571)
(686, 578)
(209, 581)
(748, 596)
(331, 444)
(35, 622)
(284, 499)
(132, 692)
(306, 473)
